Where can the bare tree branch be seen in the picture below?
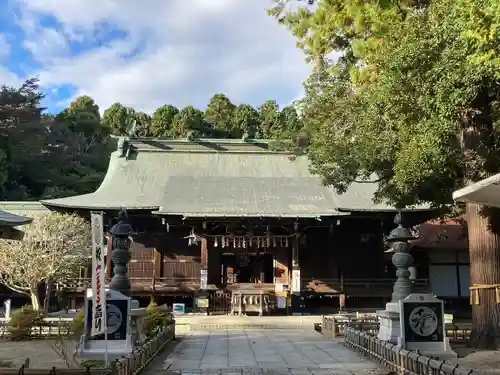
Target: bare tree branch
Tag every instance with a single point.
(54, 247)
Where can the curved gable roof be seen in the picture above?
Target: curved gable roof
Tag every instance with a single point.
(217, 178)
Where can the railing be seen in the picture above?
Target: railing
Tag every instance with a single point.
(399, 360)
(141, 357)
(357, 287)
(130, 364)
(335, 326)
(48, 327)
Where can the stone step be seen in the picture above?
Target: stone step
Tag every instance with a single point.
(212, 326)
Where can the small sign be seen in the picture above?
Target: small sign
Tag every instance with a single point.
(179, 308)
(203, 279)
(295, 280)
(278, 288)
(201, 303)
(422, 319)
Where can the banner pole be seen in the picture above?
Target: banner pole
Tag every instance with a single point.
(106, 361)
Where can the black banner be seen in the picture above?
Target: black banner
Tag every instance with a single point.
(117, 315)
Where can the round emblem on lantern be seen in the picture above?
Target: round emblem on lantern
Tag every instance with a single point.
(423, 321)
(114, 317)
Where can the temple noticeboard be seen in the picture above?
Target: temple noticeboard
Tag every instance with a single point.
(423, 326)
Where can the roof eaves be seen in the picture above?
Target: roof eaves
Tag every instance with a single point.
(57, 203)
(252, 215)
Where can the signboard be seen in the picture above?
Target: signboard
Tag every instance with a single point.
(98, 275)
(201, 302)
(117, 311)
(422, 321)
(295, 280)
(203, 279)
(178, 308)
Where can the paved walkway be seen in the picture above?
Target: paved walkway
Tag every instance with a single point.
(265, 351)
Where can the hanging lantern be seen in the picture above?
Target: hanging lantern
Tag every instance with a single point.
(274, 241)
(244, 243)
(223, 243)
(286, 242)
(215, 242)
(234, 242)
(268, 242)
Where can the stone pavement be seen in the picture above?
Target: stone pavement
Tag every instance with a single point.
(264, 351)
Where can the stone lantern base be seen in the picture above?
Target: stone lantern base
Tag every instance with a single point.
(390, 325)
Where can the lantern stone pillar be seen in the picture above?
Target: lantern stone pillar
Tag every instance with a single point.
(402, 259)
(120, 254)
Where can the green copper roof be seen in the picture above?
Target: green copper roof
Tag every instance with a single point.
(216, 178)
(10, 220)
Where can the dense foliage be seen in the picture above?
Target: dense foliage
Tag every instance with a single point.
(408, 90)
(50, 156)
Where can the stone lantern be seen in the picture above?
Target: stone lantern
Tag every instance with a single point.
(402, 259)
(120, 254)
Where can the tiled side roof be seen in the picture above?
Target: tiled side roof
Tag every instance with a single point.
(217, 178)
(8, 219)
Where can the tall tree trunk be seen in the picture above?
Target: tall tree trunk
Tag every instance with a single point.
(484, 244)
(35, 301)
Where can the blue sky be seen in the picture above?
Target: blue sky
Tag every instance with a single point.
(148, 53)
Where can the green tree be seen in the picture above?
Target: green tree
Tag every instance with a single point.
(219, 114)
(415, 99)
(85, 103)
(290, 124)
(22, 135)
(82, 116)
(189, 120)
(162, 119)
(269, 115)
(118, 119)
(143, 124)
(246, 119)
(78, 145)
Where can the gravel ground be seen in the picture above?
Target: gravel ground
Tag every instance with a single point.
(487, 361)
(39, 352)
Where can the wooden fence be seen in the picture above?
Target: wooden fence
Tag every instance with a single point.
(140, 358)
(131, 364)
(48, 327)
(399, 360)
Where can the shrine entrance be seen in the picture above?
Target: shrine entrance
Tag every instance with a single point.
(248, 267)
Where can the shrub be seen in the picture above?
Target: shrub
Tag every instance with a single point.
(22, 322)
(92, 363)
(157, 318)
(77, 324)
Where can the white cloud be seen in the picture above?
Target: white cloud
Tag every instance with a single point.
(4, 47)
(8, 78)
(189, 49)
